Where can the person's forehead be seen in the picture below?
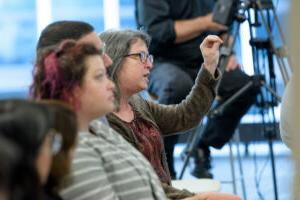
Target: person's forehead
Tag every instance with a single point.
(138, 44)
(93, 39)
(95, 64)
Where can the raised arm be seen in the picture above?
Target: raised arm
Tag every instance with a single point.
(187, 114)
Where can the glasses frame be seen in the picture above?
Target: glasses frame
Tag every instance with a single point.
(143, 56)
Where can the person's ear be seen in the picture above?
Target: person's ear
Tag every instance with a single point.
(74, 98)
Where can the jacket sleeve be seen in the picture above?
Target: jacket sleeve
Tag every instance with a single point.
(289, 127)
(153, 16)
(186, 115)
(174, 193)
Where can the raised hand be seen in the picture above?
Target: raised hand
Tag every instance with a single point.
(210, 51)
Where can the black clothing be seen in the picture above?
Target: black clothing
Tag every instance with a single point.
(157, 18)
(176, 65)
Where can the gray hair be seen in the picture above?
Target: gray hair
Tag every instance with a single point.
(118, 43)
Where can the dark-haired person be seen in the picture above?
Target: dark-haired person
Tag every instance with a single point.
(80, 31)
(31, 127)
(66, 125)
(12, 171)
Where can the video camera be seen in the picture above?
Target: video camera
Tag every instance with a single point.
(226, 11)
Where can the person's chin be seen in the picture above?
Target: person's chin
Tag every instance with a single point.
(144, 86)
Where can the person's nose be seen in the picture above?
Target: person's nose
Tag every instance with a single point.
(149, 63)
(111, 85)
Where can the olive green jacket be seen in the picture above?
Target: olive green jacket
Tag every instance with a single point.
(170, 119)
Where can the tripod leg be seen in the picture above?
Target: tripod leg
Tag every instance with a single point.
(190, 149)
(237, 141)
(278, 98)
(240, 92)
(188, 143)
(232, 168)
(270, 142)
(284, 69)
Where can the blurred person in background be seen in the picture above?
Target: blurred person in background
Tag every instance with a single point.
(66, 125)
(13, 170)
(290, 109)
(31, 127)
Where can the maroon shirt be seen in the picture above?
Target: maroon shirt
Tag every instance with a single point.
(150, 144)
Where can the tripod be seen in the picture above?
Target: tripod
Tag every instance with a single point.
(280, 54)
(257, 45)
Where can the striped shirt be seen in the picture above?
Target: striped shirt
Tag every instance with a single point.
(105, 166)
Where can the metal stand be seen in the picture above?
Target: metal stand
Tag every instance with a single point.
(236, 141)
(282, 59)
(190, 148)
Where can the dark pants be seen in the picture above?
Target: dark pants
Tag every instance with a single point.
(220, 128)
(171, 83)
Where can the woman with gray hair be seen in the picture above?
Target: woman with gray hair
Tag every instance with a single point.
(143, 123)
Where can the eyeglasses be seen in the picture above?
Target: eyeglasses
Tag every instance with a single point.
(143, 56)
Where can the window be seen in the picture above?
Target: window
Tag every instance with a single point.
(18, 38)
(17, 30)
(90, 11)
(127, 16)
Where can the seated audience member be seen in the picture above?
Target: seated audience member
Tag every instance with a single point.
(176, 29)
(13, 171)
(80, 31)
(66, 125)
(104, 165)
(31, 127)
(143, 123)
